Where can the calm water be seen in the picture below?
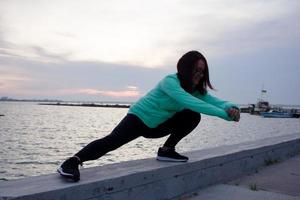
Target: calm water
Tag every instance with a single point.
(35, 139)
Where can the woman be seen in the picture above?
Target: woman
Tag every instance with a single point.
(172, 108)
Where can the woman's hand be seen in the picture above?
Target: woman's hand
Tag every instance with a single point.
(234, 114)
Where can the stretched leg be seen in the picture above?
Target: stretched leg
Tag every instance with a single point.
(127, 130)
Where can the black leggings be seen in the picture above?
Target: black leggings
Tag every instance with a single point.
(131, 127)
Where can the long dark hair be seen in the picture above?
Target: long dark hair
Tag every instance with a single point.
(185, 69)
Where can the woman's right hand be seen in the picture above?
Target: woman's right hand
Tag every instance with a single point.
(234, 114)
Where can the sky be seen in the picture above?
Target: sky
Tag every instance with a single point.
(113, 50)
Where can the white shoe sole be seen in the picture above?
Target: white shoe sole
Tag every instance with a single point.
(60, 171)
(160, 158)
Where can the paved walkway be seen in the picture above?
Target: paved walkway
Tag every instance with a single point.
(280, 181)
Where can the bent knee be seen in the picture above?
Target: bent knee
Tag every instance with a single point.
(192, 116)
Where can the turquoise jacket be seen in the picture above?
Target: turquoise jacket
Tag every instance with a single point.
(168, 97)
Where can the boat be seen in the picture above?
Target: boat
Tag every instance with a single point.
(261, 105)
(264, 109)
(276, 114)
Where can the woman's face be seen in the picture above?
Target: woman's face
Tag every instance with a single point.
(198, 72)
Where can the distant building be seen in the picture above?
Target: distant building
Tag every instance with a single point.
(4, 98)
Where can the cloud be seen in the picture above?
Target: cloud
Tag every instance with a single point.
(122, 93)
(110, 49)
(239, 27)
(132, 91)
(6, 76)
(111, 32)
(36, 53)
(45, 55)
(13, 81)
(131, 87)
(68, 80)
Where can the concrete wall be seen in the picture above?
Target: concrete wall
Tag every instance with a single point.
(151, 179)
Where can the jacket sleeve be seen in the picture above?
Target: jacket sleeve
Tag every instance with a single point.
(216, 102)
(172, 88)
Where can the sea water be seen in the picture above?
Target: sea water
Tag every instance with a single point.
(35, 139)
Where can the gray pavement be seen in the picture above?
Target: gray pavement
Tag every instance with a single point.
(279, 181)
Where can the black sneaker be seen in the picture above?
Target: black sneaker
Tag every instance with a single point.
(69, 168)
(170, 155)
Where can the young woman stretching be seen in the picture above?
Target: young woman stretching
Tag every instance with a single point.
(172, 108)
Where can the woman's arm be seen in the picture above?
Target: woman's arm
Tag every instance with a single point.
(225, 105)
(232, 109)
(171, 86)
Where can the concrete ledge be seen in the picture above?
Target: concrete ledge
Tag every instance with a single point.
(151, 179)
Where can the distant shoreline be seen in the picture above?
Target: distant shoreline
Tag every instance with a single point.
(107, 103)
(88, 105)
(54, 101)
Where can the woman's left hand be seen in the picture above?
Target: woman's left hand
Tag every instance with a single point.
(234, 113)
